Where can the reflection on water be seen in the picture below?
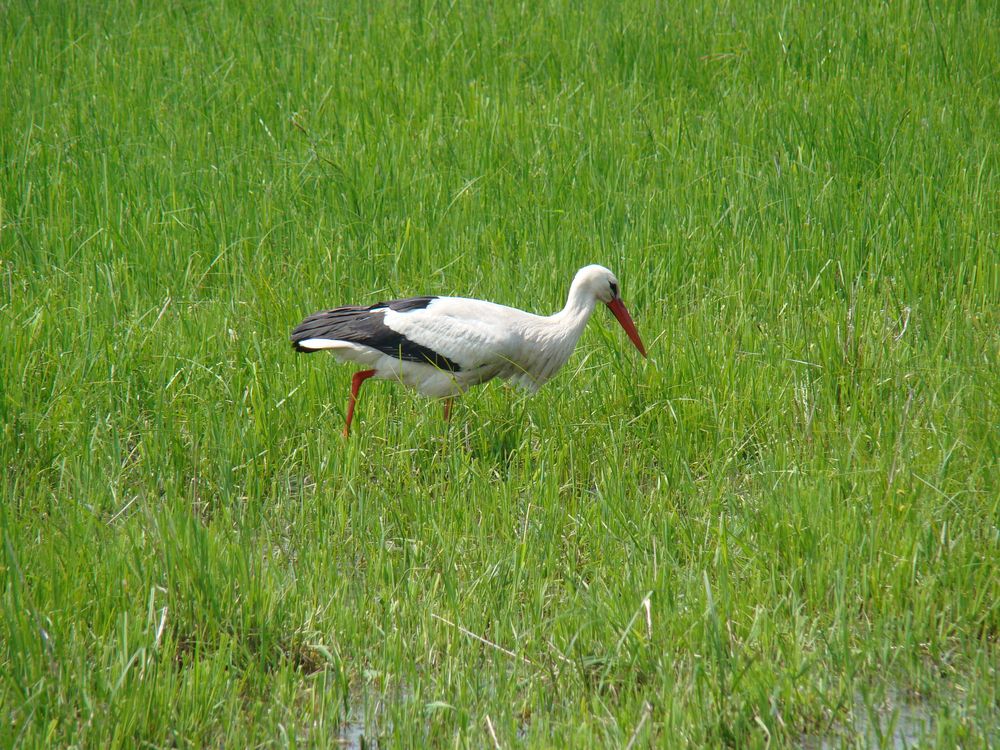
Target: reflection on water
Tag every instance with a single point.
(366, 720)
(363, 714)
(352, 736)
(898, 722)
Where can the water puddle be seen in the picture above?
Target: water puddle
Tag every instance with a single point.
(352, 736)
(359, 730)
(895, 723)
(367, 721)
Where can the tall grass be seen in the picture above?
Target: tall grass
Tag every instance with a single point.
(792, 503)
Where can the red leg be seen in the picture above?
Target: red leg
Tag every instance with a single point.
(447, 408)
(356, 381)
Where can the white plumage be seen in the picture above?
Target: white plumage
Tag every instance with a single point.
(441, 346)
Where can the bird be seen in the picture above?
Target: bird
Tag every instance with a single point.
(442, 346)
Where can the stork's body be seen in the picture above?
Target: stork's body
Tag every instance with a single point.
(441, 346)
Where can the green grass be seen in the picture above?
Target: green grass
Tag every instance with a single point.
(801, 203)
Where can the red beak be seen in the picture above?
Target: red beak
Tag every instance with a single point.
(617, 308)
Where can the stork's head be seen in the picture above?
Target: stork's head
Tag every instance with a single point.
(603, 285)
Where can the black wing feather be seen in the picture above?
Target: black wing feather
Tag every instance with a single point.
(364, 325)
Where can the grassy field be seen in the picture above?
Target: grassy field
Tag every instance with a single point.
(782, 529)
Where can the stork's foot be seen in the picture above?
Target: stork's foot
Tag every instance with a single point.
(447, 408)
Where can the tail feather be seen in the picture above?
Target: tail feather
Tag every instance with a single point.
(342, 323)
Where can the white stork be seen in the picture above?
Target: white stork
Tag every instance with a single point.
(442, 346)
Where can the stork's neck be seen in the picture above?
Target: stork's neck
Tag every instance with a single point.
(579, 307)
(551, 339)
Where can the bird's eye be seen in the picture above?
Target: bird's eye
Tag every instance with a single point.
(614, 290)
